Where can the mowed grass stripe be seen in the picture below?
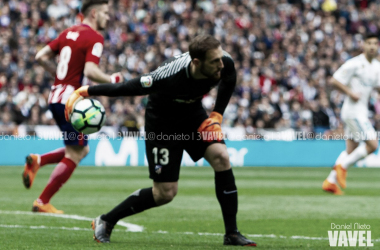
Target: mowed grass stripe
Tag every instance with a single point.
(280, 201)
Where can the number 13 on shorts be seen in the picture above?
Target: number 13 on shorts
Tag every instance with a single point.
(161, 156)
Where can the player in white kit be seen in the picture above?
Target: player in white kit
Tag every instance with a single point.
(356, 78)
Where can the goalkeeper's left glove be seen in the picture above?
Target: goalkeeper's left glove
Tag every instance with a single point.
(211, 129)
(74, 98)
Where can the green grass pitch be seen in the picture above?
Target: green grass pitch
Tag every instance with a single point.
(275, 206)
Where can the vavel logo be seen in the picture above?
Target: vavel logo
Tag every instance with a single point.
(350, 235)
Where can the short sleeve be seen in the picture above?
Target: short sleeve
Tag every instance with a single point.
(345, 72)
(94, 49)
(54, 45)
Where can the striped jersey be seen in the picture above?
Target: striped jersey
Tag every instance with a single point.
(76, 46)
(172, 84)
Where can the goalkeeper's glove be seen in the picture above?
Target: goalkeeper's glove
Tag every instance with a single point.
(74, 98)
(211, 129)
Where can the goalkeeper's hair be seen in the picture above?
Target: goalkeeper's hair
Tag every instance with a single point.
(201, 44)
(370, 35)
(87, 5)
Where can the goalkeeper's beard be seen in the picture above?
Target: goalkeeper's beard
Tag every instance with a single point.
(212, 76)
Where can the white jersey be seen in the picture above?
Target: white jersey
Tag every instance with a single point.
(361, 77)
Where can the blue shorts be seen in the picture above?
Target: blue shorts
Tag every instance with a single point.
(70, 135)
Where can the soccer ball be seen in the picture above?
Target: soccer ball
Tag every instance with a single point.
(88, 116)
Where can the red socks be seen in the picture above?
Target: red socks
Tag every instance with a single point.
(52, 157)
(60, 175)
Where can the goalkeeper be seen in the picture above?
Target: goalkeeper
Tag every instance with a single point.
(174, 108)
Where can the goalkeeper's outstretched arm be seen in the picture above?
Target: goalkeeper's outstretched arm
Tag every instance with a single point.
(132, 87)
(129, 88)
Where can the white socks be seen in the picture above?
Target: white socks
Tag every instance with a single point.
(359, 153)
(332, 176)
(342, 155)
(348, 160)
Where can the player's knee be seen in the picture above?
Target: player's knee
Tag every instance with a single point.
(165, 196)
(82, 152)
(220, 161)
(372, 146)
(85, 151)
(76, 153)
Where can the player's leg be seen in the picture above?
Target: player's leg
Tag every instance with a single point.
(365, 132)
(76, 149)
(60, 175)
(225, 187)
(161, 193)
(142, 199)
(164, 159)
(358, 153)
(52, 157)
(331, 183)
(62, 172)
(35, 161)
(332, 176)
(226, 192)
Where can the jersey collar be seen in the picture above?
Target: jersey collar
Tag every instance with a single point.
(82, 24)
(365, 59)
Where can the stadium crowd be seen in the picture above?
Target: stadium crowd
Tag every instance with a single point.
(285, 53)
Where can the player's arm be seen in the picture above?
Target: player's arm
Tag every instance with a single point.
(342, 78)
(94, 73)
(225, 90)
(44, 56)
(377, 86)
(345, 89)
(226, 87)
(91, 69)
(142, 85)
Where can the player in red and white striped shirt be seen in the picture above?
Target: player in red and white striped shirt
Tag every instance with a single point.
(79, 48)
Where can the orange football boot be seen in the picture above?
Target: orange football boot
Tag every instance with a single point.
(331, 187)
(31, 167)
(45, 208)
(341, 175)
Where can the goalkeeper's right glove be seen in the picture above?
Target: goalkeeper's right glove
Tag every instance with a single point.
(210, 128)
(74, 98)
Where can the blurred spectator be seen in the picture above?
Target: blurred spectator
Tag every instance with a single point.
(57, 9)
(323, 116)
(284, 51)
(7, 126)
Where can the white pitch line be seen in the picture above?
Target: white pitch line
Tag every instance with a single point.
(136, 228)
(46, 227)
(295, 237)
(130, 227)
(57, 228)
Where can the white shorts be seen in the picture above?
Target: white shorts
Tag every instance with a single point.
(359, 129)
